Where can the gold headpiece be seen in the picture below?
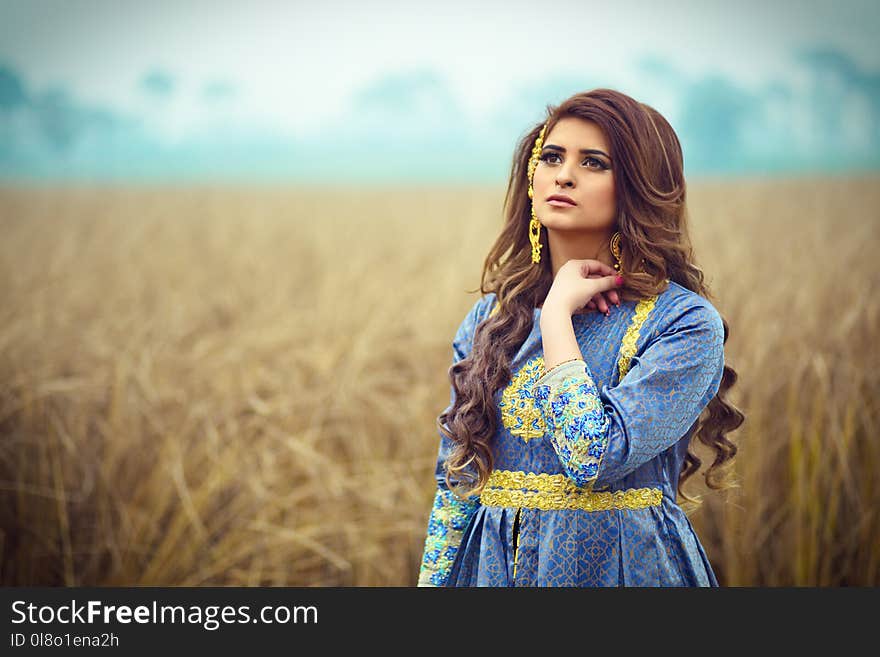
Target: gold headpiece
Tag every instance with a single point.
(534, 224)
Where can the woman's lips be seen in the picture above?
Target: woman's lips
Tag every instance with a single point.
(561, 204)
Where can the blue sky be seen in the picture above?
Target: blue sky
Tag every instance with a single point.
(346, 92)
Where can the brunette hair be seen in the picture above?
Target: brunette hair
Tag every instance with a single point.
(655, 246)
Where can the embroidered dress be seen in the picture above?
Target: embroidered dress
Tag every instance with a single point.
(587, 456)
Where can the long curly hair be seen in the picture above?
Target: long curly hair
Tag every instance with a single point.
(655, 246)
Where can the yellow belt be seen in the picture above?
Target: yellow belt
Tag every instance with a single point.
(556, 491)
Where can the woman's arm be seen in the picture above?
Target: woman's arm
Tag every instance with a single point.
(601, 437)
(449, 514)
(449, 518)
(557, 332)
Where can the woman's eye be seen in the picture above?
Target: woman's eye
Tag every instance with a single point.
(546, 158)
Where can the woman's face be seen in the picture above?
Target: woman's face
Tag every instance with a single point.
(585, 177)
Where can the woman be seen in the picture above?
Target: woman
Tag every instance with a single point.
(583, 372)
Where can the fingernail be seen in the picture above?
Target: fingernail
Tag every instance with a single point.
(618, 280)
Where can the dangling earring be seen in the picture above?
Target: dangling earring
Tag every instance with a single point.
(615, 251)
(534, 224)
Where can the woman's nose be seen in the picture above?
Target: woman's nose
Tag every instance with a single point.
(563, 177)
(563, 180)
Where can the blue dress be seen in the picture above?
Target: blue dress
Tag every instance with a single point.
(587, 456)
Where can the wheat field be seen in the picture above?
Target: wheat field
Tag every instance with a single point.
(238, 386)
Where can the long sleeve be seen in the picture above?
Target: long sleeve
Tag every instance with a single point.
(602, 437)
(449, 514)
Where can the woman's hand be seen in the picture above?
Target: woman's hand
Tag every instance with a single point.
(613, 298)
(581, 283)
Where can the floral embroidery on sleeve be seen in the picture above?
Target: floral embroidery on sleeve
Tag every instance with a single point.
(449, 517)
(575, 419)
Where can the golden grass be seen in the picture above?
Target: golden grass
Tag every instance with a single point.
(239, 387)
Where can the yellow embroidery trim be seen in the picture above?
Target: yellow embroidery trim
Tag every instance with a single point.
(519, 413)
(510, 488)
(631, 337)
(518, 410)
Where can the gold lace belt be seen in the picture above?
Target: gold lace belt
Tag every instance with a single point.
(556, 491)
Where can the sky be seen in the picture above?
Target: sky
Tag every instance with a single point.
(425, 91)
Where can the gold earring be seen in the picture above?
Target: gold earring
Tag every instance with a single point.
(615, 251)
(534, 224)
(535, 234)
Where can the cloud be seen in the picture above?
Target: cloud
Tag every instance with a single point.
(158, 83)
(714, 114)
(660, 70)
(42, 128)
(12, 90)
(416, 104)
(845, 104)
(218, 90)
(410, 125)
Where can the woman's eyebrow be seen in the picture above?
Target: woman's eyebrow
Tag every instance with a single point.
(584, 151)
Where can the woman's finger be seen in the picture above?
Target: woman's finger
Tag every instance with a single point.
(597, 268)
(601, 303)
(614, 297)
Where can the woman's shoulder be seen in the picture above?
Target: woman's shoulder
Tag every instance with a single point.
(479, 311)
(677, 306)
